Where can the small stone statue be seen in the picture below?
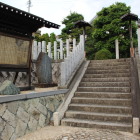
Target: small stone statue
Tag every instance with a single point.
(8, 88)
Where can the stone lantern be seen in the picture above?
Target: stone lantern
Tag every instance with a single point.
(130, 17)
(82, 24)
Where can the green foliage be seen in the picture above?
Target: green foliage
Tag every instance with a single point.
(69, 29)
(45, 37)
(103, 54)
(52, 38)
(37, 37)
(108, 27)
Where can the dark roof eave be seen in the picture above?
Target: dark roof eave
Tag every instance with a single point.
(40, 21)
(129, 16)
(81, 23)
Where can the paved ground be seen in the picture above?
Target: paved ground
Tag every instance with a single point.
(74, 133)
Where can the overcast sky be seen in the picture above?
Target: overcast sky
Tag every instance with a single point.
(56, 10)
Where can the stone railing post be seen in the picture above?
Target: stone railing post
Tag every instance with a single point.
(72, 61)
(67, 47)
(61, 49)
(58, 55)
(34, 51)
(44, 46)
(74, 44)
(49, 49)
(63, 73)
(39, 47)
(55, 50)
(117, 48)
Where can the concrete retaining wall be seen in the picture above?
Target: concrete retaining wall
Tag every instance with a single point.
(22, 114)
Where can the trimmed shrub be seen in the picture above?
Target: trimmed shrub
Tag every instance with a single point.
(103, 54)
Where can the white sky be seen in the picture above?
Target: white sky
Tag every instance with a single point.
(56, 10)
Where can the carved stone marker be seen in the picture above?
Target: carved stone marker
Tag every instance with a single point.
(8, 88)
(44, 69)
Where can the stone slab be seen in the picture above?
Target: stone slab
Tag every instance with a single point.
(9, 98)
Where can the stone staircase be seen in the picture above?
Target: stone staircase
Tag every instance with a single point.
(103, 98)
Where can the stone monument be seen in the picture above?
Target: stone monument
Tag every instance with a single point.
(44, 69)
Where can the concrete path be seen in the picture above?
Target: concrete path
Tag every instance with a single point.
(75, 133)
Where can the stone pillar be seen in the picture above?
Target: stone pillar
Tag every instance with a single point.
(55, 50)
(34, 51)
(58, 55)
(49, 49)
(67, 47)
(44, 46)
(61, 49)
(117, 48)
(74, 44)
(66, 68)
(56, 119)
(135, 125)
(39, 47)
(138, 33)
(63, 74)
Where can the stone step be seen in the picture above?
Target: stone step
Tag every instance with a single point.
(108, 71)
(110, 79)
(103, 95)
(104, 84)
(104, 89)
(101, 101)
(119, 64)
(97, 124)
(100, 108)
(112, 60)
(108, 67)
(99, 116)
(106, 75)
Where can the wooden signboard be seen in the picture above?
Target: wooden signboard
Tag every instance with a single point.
(15, 55)
(14, 51)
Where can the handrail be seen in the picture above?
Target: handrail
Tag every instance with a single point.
(135, 89)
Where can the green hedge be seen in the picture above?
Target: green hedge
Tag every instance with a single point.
(103, 54)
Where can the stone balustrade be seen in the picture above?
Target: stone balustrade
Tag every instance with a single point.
(71, 57)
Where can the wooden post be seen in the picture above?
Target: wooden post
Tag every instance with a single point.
(131, 40)
(15, 78)
(138, 34)
(84, 33)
